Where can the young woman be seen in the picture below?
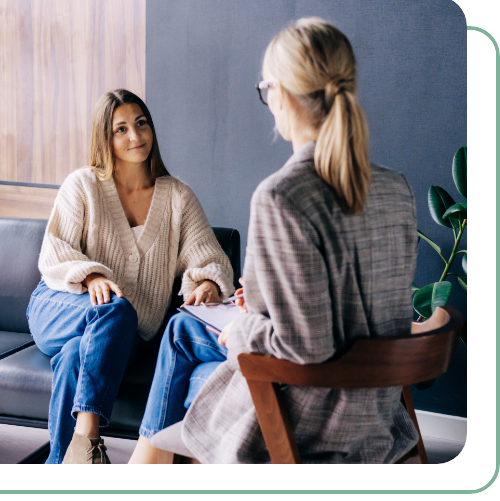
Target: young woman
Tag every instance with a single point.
(120, 231)
(330, 258)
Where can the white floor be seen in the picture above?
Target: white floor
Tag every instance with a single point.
(451, 444)
(17, 442)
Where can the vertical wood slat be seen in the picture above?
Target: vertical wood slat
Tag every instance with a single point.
(57, 58)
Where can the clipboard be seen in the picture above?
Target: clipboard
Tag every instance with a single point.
(215, 317)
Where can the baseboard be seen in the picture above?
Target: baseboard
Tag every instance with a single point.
(454, 428)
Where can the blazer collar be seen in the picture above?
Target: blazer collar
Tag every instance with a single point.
(304, 154)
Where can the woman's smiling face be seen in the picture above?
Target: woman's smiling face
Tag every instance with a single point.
(132, 134)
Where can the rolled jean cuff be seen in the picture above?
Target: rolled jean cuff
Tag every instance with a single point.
(104, 421)
(143, 432)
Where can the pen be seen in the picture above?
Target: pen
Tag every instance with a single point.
(235, 297)
(229, 300)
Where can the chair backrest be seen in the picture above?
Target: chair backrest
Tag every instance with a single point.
(370, 363)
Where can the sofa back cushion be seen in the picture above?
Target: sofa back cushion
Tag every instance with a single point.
(20, 243)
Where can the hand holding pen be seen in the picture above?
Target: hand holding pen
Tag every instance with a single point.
(238, 299)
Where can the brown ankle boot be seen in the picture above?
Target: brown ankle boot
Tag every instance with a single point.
(83, 450)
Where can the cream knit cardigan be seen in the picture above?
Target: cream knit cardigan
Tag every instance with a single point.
(88, 232)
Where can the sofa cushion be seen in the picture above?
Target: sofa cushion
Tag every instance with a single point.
(20, 243)
(26, 381)
(25, 384)
(10, 342)
(229, 240)
(25, 373)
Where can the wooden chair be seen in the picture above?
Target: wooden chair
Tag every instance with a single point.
(369, 363)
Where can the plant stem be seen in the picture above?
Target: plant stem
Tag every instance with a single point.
(454, 251)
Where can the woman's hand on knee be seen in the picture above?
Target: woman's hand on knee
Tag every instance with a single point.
(100, 289)
(207, 292)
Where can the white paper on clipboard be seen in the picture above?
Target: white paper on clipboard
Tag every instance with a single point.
(216, 317)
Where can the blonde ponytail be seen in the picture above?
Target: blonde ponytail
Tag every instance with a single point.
(314, 61)
(341, 154)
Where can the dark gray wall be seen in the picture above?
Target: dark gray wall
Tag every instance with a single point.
(204, 57)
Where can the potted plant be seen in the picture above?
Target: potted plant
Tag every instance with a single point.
(453, 216)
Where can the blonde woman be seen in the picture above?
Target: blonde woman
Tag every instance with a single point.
(120, 231)
(330, 258)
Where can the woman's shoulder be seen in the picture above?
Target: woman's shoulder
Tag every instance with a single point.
(81, 176)
(81, 183)
(388, 180)
(291, 182)
(182, 189)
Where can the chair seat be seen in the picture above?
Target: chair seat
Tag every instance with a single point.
(170, 440)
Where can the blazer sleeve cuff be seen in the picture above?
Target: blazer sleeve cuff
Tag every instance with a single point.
(237, 342)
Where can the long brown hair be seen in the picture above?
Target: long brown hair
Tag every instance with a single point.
(315, 62)
(101, 142)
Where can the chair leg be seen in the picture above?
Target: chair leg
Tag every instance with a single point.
(274, 422)
(408, 401)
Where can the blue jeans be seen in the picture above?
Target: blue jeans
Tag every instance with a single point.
(188, 355)
(90, 347)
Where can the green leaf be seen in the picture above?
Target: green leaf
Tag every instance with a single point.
(414, 289)
(483, 285)
(439, 201)
(428, 298)
(457, 211)
(459, 171)
(429, 241)
(424, 385)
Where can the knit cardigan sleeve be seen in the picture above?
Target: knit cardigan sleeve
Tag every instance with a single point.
(200, 255)
(62, 263)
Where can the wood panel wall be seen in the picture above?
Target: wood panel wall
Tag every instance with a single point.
(25, 201)
(57, 57)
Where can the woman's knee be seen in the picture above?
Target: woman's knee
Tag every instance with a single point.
(178, 323)
(187, 335)
(121, 310)
(182, 325)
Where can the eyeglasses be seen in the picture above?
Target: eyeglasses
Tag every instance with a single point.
(262, 88)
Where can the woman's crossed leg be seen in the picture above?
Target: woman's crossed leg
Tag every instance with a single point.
(90, 347)
(188, 355)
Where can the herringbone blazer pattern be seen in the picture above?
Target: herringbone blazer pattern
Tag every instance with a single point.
(316, 279)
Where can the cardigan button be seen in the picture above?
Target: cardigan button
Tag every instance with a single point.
(133, 258)
(127, 291)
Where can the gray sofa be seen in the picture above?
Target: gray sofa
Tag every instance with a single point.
(25, 374)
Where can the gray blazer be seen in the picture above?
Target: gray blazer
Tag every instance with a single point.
(315, 279)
